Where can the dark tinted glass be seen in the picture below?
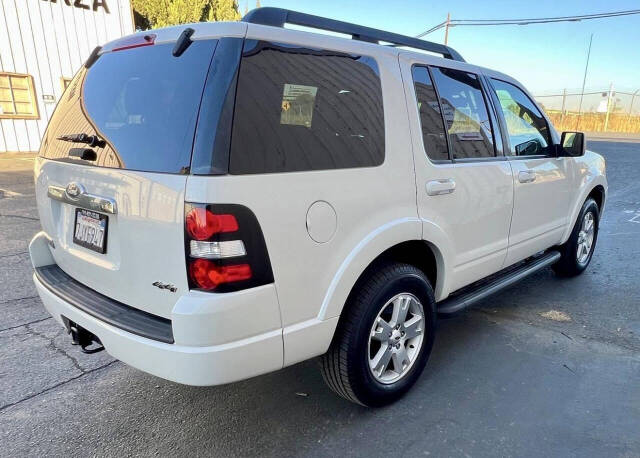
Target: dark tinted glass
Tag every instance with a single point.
(301, 109)
(433, 133)
(465, 113)
(527, 128)
(142, 102)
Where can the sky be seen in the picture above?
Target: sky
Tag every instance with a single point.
(546, 58)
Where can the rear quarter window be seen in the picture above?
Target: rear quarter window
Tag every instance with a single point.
(303, 109)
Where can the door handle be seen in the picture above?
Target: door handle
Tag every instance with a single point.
(440, 187)
(526, 176)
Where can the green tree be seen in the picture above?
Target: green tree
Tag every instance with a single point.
(161, 13)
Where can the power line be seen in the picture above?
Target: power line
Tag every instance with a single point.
(527, 21)
(558, 18)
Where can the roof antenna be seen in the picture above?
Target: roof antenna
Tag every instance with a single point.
(184, 41)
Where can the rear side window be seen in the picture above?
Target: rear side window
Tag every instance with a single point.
(431, 121)
(465, 113)
(305, 109)
(142, 104)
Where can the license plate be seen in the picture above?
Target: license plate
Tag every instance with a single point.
(91, 230)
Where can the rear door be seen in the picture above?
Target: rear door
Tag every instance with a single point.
(112, 171)
(542, 181)
(464, 183)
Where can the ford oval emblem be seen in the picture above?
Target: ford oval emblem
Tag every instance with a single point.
(74, 191)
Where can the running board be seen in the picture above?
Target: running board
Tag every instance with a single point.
(464, 299)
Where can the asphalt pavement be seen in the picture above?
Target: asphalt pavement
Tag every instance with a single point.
(505, 378)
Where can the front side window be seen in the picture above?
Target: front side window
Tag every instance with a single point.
(527, 128)
(465, 113)
(17, 97)
(434, 136)
(305, 109)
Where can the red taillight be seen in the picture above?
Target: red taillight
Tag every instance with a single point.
(135, 42)
(207, 275)
(225, 250)
(202, 224)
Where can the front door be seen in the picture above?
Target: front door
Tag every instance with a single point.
(542, 190)
(464, 184)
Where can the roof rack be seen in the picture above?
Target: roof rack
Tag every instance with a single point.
(278, 17)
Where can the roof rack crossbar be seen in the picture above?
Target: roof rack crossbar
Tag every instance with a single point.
(278, 17)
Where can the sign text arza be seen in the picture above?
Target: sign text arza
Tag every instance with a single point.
(85, 4)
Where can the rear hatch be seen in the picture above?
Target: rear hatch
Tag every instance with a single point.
(112, 170)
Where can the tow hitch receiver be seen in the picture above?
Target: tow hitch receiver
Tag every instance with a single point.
(80, 336)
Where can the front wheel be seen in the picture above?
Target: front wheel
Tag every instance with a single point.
(576, 253)
(384, 338)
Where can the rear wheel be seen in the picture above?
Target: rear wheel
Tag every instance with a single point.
(576, 253)
(383, 342)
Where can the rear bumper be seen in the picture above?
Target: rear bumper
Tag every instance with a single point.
(216, 340)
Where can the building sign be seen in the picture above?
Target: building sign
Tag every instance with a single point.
(85, 4)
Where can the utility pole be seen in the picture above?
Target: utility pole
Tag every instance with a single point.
(564, 100)
(446, 29)
(606, 118)
(584, 81)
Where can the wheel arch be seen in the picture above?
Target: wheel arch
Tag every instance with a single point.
(394, 240)
(598, 194)
(426, 255)
(596, 189)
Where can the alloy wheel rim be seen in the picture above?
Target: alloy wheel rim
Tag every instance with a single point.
(585, 238)
(396, 338)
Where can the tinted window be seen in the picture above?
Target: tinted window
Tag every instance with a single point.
(142, 102)
(301, 109)
(465, 113)
(528, 130)
(433, 133)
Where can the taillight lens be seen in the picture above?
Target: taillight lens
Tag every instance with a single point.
(202, 223)
(207, 275)
(224, 247)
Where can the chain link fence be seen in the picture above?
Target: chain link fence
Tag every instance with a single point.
(594, 111)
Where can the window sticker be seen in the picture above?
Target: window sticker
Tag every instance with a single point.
(298, 102)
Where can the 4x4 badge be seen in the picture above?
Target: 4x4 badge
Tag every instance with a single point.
(168, 286)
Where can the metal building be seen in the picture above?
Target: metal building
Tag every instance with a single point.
(42, 44)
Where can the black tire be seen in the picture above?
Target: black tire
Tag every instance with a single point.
(569, 265)
(345, 366)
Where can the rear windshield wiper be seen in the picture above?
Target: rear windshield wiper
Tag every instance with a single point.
(91, 140)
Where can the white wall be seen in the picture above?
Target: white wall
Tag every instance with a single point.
(50, 39)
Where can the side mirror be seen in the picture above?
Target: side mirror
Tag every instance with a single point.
(572, 144)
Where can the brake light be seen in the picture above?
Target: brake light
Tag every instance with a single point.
(224, 247)
(207, 275)
(135, 41)
(202, 224)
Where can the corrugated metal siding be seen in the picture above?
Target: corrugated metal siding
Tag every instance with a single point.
(49, 41)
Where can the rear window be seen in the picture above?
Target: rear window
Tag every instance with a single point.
(141, 104)
(305, 109)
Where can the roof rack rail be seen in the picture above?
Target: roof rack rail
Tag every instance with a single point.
(278, 17)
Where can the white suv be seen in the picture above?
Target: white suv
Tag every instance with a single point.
(221, 200)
